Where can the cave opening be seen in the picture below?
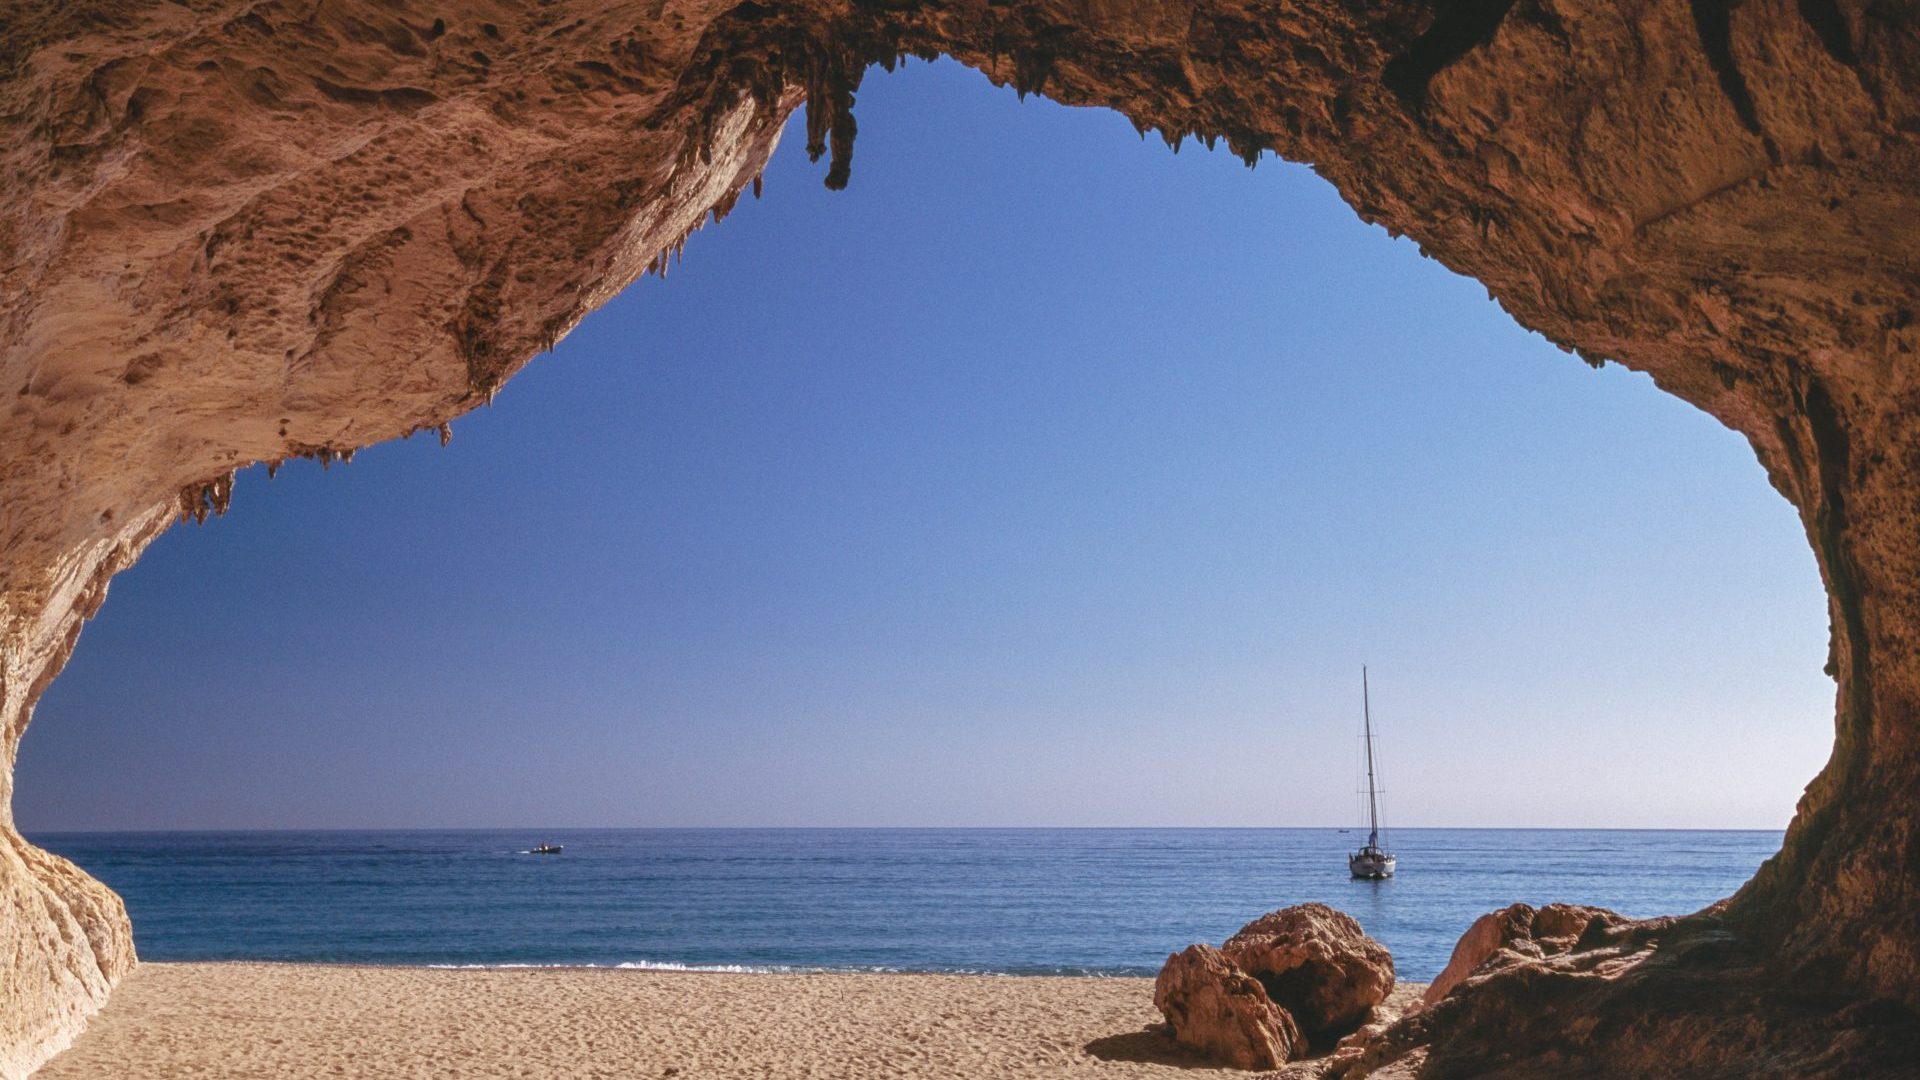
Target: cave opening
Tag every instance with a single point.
(1719, 196)
(1214, 432)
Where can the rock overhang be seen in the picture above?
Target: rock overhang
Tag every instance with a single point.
(235, 233)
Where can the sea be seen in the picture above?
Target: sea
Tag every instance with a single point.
(1008, 901)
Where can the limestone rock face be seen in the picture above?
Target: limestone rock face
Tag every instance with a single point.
(75, 931)
(1669, 997)
(1222, 1012)
(237, 231)
(1317, 964)
(1516, 934)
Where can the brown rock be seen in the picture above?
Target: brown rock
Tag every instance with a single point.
(1517, 933)
(1317, 964)
(1484, 938)
(1351, 1049)
(1222, 1012)
(1688, 997)
(239, 231)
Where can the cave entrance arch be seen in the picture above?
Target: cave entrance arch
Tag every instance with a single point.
(1720, 195)
(1309, 446)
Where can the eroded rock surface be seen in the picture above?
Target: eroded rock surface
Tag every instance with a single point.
(1291, 982)
(1316, 963)
(72, 932)
(1672, 997)
(1519, 934)
(1224, 1013)
(237, 231)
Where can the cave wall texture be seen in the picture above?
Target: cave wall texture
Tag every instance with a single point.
(234, 232)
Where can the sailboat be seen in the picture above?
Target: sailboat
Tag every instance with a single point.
(1373, 861)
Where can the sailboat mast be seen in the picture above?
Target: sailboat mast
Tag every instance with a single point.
(1373, 806)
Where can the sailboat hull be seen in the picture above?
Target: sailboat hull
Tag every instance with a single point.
(1373, 866)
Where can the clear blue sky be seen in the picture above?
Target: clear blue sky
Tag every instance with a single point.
(1041, 477)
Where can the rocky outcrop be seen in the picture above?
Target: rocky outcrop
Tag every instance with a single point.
(64, 937)
(237, 231)
(1317, 964)
(1223, 1013)
(1518, 934)
(1290, 981)
(244, 232)
(1351, 1051)
(1671, 997)
(74, 931)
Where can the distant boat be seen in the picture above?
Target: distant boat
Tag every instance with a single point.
(547, 849)
(1373, 861)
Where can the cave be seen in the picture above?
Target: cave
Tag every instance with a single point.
(242, 233)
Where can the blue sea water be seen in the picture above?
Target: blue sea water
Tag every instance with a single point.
(1019, 901)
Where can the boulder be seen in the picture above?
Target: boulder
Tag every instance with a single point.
(1316, 963)
(1224, 1013)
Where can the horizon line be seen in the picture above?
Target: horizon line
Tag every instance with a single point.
(895, 828)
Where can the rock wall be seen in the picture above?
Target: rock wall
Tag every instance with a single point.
(239, 232)
(234, 232)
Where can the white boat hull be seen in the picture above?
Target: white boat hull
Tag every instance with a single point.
(1373, 865)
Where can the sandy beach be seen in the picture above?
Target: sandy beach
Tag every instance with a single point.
(290, 1020)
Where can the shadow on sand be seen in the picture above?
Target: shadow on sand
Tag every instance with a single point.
(1152, 1045)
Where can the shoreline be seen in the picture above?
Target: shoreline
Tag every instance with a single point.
(252, 1019)
(662, 967)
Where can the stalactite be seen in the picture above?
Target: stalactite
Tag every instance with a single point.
(210, 498)
(840, 170)
(819, 102)
(832, 73)
(1031, 69)
(220, 494)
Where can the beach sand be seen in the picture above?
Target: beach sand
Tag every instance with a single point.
(295, 1020)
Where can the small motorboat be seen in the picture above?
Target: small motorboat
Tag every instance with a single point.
(547, 849)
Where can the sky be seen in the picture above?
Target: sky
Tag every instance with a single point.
(1042, 477)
